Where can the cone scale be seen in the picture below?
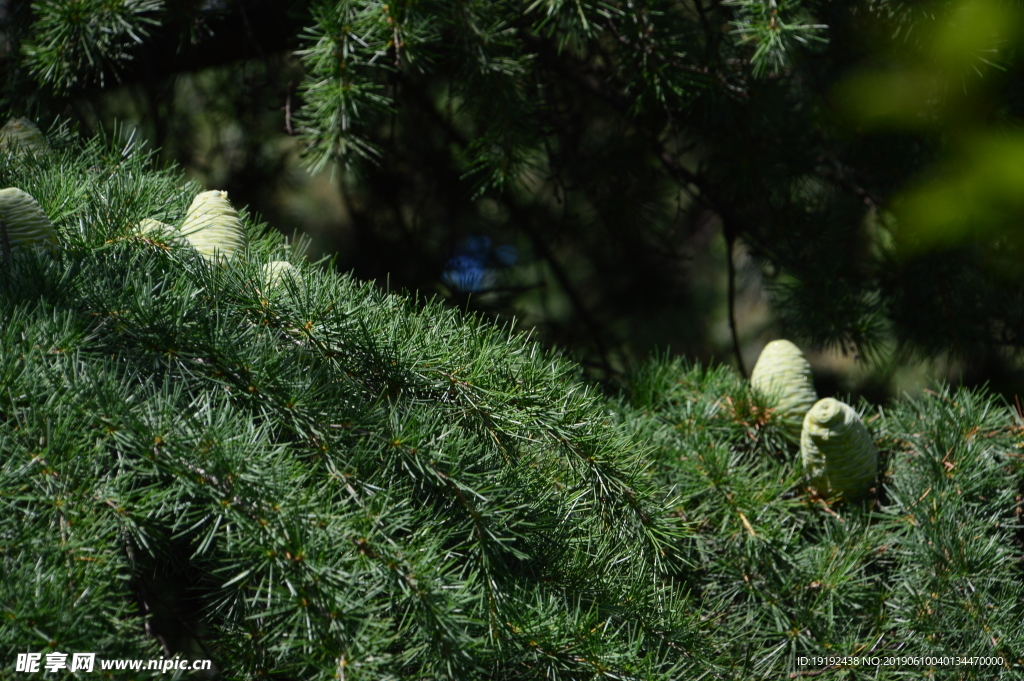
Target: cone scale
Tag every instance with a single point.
(156, 230)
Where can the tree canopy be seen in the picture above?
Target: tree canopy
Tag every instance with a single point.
(567, 162)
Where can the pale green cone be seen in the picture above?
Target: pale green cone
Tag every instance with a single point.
(839, 456)
(274, 273)
(158, 231)
(26, 223)
(21, 135)
(784, 375)
(213, 227)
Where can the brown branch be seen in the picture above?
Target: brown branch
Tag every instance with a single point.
(622, 105)
(730, 242)
(696, 186)
(288, 110)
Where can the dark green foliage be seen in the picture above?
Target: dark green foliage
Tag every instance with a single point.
(620, 128)
(78, 42)
(606, 142)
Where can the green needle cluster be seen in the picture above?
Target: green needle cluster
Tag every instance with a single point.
(927, 564)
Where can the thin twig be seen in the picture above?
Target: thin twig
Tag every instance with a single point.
(288, 110)
(596, 332)
(730, 241)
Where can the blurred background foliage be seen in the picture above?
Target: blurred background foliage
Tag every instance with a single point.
(618, 177)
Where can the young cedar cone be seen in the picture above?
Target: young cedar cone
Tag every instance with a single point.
(838, 454)
(213, 228)
(158, 231)
(274, 273)
(785, 377)
(23, 137)
(26, 224)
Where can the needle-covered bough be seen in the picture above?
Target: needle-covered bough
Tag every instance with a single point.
(212, 447)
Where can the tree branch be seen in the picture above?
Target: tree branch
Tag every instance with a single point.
(730, 241)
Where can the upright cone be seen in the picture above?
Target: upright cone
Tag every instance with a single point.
(274, 272)
(213, 227)
(22, 136)
(784, 375)
(159, 231)
(838, 454)
(26, 224)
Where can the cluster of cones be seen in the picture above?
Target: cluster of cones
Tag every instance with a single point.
(211, 226)
(837, 451)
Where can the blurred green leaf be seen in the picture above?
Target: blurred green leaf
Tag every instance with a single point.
(935, 81)
(977, 193)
